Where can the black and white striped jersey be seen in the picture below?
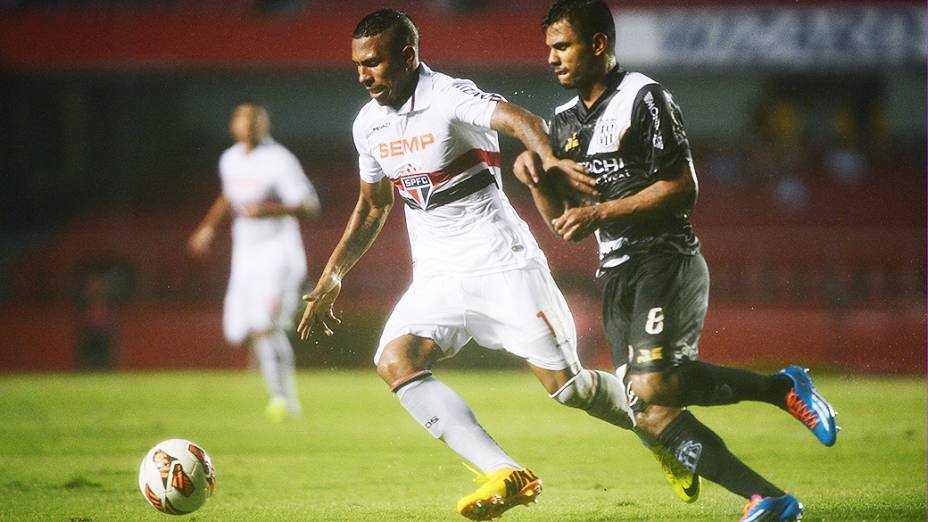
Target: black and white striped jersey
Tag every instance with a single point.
(627, 140)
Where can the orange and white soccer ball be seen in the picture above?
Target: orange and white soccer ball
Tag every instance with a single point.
(177, 476)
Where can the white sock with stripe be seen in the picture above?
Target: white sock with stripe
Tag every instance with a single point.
(446, 416)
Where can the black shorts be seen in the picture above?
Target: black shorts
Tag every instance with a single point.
(653, 310)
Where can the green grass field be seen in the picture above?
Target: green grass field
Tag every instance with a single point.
(71, 446)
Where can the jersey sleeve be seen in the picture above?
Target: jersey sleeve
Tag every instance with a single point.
(554, 135)
(223, 171)
(293, 187)
(657, 127)
(468, 104)
(368, 167)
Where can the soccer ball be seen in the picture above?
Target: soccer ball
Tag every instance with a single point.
(176, 477)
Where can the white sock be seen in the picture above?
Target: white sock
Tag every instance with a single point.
(286, 371)
(647, 440)
(266, 353)
(602, 395)
(446, 416)
(599, 394)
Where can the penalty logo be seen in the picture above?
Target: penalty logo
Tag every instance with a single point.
(418, 187)
(572, 143)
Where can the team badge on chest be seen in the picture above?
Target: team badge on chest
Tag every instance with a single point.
(607, 134)
(417, 187)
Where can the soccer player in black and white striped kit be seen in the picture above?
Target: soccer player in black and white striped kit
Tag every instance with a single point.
(628, 132)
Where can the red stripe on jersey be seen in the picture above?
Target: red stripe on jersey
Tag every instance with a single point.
(462, 163)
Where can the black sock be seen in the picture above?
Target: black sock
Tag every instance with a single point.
(705, 384)
(703, 452)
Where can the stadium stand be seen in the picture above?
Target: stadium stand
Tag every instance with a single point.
(806, 264)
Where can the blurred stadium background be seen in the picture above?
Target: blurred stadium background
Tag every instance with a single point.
(807, 121)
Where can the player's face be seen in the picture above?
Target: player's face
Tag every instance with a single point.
(384, 69)
(571, 58)
(249, 124)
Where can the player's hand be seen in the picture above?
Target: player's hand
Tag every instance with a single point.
(528, 168)
(576, 224)
(200, 241)
(573, 175)
(318, 312)
(252, 211)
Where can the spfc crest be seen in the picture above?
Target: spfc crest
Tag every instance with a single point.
(418, 187)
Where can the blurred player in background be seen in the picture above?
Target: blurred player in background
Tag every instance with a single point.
(628, 132)
(477, 271)
(265, 190)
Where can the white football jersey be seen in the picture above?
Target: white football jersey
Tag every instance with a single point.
(435, 149)
(269, 173)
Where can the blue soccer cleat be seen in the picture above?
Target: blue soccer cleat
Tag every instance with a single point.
(772, 509)
(809, 407)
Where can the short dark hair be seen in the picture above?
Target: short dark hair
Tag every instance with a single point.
(587, 17)
(379, 21)
(250, 102)
(256, 105)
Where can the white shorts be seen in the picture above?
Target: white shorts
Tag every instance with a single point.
(521, 311)
(259, 300)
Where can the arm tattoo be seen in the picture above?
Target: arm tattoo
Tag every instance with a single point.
(362, 237)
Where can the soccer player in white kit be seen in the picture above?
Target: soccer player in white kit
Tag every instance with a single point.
(477, 271)
(265, 189)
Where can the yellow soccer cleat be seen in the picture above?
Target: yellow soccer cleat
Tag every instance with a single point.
(685, 483)
(501, 490)
(276, 410)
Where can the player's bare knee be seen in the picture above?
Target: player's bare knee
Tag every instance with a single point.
(650, 387)
(654, 418)
(393, 366)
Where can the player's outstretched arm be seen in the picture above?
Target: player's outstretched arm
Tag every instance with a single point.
(307, 209)
(675, 193)
(311, 207)
(370, 213)
(528, 168)
(531, 130)
(202, 237)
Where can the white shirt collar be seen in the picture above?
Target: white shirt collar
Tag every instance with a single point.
(422, 97)
(261, 144)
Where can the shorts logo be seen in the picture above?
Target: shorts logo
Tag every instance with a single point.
(649, 355)
(418, 187)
